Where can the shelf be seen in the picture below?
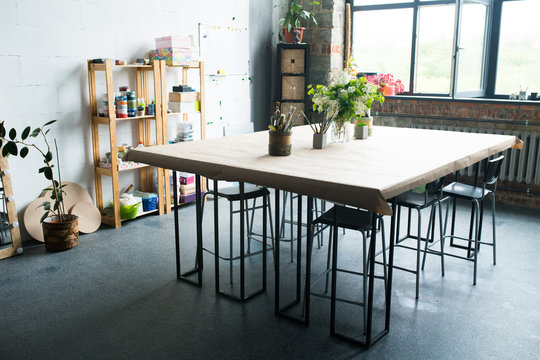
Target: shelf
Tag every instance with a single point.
(101, 67)
(192, 65)
(109, 219)
(105, 120)
(187, 112)
(108, 171)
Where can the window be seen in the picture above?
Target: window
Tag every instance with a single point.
(519, 48)
(389, 51)
(458, 48)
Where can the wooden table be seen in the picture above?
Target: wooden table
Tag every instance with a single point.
(361, 173)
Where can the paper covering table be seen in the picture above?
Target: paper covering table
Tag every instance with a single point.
(362, 173)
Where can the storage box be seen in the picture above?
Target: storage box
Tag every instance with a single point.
(182, 107)
(184, 96)
(172, 56)
(173, 42)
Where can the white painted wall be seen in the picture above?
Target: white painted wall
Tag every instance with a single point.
(44, 47)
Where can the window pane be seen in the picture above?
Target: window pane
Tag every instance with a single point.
(519, 48)
(435, 40)
(378, 2)
(471, 47)
(386, 49)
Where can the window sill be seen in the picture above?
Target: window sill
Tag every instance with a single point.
(464, 100)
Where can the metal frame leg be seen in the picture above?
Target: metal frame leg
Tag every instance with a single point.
(197, 269)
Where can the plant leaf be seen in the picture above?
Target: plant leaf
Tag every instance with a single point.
(12, 134)
(2, 130)
(11, 148)
(25, 133)
(44, 216)
(35, 133)
(48, 173)
(24, 152)
(48, 157)
(49, 123)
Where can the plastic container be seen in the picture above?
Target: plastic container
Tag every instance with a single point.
(129, 211)
(150, 204)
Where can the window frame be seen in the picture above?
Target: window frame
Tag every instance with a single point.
(490, 51)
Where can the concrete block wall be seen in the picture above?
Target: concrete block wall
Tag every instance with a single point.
(44, 49)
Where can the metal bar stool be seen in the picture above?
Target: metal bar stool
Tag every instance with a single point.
(477, 195)
(352, 219)
(292, 223)
(240, 194)
(431, 198)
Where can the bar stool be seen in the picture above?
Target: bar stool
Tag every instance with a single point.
(291, 222)
(352, 219)
(476, 195)
(431, 198)
(240, 194)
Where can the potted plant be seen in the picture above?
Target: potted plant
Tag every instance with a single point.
(320, 129)
(361, 131)
(389, 85)
(294, 17)
(350, 96)
(60, 230)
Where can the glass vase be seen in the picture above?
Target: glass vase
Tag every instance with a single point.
(341, 131)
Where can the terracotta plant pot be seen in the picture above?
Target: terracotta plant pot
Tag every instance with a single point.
(279, 143)
(60, 236)
(290, 36)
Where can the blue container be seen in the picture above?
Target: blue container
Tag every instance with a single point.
(149, 204)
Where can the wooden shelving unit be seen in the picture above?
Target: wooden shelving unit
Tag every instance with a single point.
(158, 68)
(143, 129)
(197, 66)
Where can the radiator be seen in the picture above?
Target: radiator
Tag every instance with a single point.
(519, 166)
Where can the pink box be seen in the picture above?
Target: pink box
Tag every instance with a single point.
(172, 56)
(173, 42)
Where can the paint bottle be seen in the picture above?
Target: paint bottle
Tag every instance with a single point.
(140, 107)
(131, 103)
(103, 109)
(121, 106)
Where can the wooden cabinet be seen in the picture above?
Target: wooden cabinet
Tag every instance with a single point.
(145, 134)
(293, 67)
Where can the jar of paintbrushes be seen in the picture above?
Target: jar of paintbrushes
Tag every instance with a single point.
(279, 136)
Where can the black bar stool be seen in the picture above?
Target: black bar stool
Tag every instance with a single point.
(431, 198)
(352, 219)
(240, 194)
(477, 195)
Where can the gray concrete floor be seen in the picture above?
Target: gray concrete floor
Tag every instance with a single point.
(116, 296)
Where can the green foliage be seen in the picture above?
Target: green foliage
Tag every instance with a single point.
(296, 15)
(10, 147)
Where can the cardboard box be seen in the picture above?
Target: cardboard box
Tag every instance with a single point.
(182, 107)
(173, 42)
(172, 56)
(183, 96)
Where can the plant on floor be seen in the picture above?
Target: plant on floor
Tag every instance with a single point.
(12, 145)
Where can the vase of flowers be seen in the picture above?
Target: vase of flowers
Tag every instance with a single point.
(347, 95)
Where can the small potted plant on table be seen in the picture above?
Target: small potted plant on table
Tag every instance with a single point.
(60, 230)
(292, 22)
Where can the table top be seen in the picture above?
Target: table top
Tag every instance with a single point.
(362, 173)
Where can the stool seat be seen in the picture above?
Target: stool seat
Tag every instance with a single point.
(348, 218)
(232, 193)
(464, 191)
(412, 199)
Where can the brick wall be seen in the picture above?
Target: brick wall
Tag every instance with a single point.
(500, 116)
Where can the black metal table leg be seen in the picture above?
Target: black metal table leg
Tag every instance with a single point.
(197, 269)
